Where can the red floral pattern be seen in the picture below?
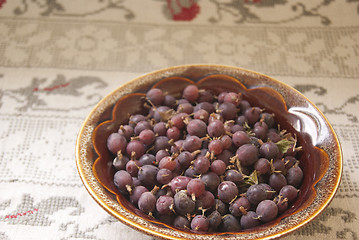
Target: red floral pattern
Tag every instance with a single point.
(186, 13)
(2, 2)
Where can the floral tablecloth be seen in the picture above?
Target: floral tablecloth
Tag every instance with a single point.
(59, 58)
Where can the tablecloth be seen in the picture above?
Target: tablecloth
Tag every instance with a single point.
(59, 58)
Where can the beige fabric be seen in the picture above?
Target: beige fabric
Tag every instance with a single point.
(59, 58)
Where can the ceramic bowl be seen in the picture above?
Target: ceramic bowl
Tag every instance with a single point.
(321, 158)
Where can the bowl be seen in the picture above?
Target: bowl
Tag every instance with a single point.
(320, 159)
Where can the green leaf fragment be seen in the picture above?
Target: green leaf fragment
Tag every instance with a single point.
(284, 145)
(252, 179)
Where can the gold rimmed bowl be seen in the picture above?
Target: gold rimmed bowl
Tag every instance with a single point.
(320, 159)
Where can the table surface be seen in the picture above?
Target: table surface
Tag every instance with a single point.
(59, 58)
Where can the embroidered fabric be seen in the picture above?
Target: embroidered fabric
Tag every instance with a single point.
(59, 58)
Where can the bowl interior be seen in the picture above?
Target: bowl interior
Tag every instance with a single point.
(320, 158)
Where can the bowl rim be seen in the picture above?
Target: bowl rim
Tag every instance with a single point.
(99, 198)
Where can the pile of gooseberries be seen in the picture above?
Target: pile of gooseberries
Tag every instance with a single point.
(206, 162)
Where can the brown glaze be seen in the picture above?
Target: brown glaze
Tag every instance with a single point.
(173, 85)
(320, 158)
